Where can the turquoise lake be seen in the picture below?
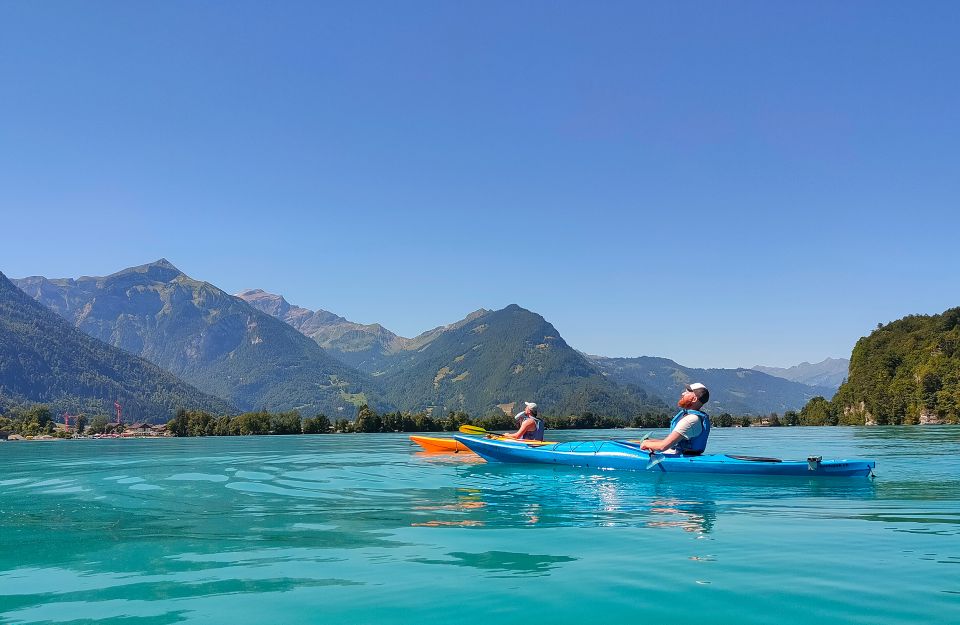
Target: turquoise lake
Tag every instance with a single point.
(367, 529)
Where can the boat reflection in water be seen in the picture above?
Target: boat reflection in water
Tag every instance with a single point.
(562, 496)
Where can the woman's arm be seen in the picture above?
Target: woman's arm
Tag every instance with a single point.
(527, 425)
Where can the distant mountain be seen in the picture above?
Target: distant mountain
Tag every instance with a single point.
(737, 391)
(366, 347)
(44, 359)
(486, 362)
(213, 340)
(498, 358)
(905, 372)
(828, 373)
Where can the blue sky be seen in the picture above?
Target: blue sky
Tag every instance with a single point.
(720, 183)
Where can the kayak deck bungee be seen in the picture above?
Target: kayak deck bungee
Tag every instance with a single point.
(435, 443)
(628, 455)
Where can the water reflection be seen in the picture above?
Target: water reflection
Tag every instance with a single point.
(508, 562)
(467, 501)
(508, 495)
(448, 457)
(330, 521)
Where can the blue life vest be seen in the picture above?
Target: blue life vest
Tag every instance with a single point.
(537, 434)
(696, 445)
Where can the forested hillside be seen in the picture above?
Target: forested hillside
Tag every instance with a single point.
(905, 372)
(207, 337)
(500, 358)
(45, 359)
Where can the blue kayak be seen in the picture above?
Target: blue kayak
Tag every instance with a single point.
(628, 455)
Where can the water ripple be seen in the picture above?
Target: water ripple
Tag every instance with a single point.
(350, 529)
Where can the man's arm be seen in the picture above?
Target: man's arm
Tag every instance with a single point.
(659, 444)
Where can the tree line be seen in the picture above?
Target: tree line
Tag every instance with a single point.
(368, 420)
(38, 420)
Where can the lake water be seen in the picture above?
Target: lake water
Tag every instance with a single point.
(366, 529)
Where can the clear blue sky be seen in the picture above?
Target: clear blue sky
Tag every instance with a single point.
(721, 183)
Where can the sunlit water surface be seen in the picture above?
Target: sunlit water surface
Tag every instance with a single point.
(366, 529)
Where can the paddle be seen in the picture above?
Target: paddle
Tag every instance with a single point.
(479, 431)
(473, 429)
(655, 459)
(635, 442)
(655, 456)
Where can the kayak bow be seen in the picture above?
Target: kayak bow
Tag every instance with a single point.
(430, 443)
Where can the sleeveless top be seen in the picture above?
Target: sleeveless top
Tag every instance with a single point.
(535, 435)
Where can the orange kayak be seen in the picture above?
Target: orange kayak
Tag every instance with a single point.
(432, 443)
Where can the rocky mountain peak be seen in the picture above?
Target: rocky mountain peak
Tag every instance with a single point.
(158, 271)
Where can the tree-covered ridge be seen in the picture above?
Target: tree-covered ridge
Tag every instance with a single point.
(736, 391)
(476, 364)
(905, 372)
(211, 339)
(45, 359)
(502, 358)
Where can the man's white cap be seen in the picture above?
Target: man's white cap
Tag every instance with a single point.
(700, 391)
(531, 405)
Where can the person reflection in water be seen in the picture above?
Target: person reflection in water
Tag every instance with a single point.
(690, 516)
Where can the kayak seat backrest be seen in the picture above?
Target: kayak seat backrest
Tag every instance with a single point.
(754, 458)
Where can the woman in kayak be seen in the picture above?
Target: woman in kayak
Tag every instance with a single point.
(531, 425)
(689, 429)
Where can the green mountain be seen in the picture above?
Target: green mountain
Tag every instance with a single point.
(829, 373)
(216, 342)
(485, 363)
(504, 357)
(905, 372)
(44, 359)
(423, 371)
(737, 391)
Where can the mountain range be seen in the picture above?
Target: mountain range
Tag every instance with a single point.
(736, 391)
(44, 359)
(366, 347)
(407, 365)
(486, 363)
(208, 338)
(255, 350)
(829, 373)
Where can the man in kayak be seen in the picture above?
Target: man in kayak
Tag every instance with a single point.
(531, 425)
(689, 428)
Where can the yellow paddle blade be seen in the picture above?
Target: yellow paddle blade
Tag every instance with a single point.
(472, 429)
